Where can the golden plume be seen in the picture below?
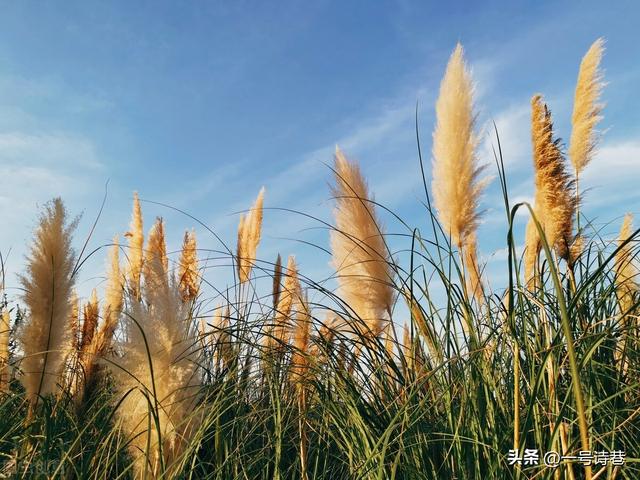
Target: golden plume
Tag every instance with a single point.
(114, 297)
(554, 199)
(48, 284)
(156, 265)
(158, 379)
(626, 270)
(136, 248)
(360, 256)
(586, 109)
(5, 331)
(532, 247)
(456, 174)
(249, 231)
(188, 275)
(89, 321)
(301, 340)
(288, 297)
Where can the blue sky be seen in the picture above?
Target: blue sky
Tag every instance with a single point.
(199, 104)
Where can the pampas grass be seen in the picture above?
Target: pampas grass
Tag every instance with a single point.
(586, 108)
(265, 390)
(555, 201)
(359, 253)
(48, 283)
(249, 232)
(188, 275)
(91, 312)
(456, 174)
(158, 380)
(156, 263)
(5, 331)
(101, 342)
(136, 248)
(288, 296)
(626, 270)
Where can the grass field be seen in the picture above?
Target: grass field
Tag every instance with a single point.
(305, 382)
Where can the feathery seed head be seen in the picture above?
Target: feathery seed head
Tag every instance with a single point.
(89, 320)
(188, 274)
(586, 107)
(555, 202)
(136, 247)
(359, 253)
(5, 330)
(156, 263)
(249, 232)
(456, 175)
(626, 269)
(47, 284)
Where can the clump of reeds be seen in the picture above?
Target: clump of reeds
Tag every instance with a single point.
(456, 184)
(249, 231)
(100, 343)
(360, 256)
(48, 283)
(158, 374)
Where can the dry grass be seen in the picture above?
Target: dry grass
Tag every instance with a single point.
(249, 232)
(555, 201)
(456, 184)
(360, 255)
(48, 284)
(586, 108)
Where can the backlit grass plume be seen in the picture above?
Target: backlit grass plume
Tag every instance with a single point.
(554, 198)
(626, 270)
(91, 312)
(188, 275)
(360, 255)
(136, 248)
(158, 378)
(289, 295)
(249, 232)
(586, 108)
(114, 298)
(5, 331)
(456, 174)
(48, 283)
(101, 341)
(156, 263)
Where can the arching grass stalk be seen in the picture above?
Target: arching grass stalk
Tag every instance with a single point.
(568, 333)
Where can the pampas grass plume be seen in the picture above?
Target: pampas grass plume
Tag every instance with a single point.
(289, 296)
(555, 201)
(249, 232)
(5, 331)
(188, 275)
(456, 184)
(156, 263)
(47, 284)
(165, 375)
(136, 247)
(359, 253)
(626, 270)
(586, 107)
